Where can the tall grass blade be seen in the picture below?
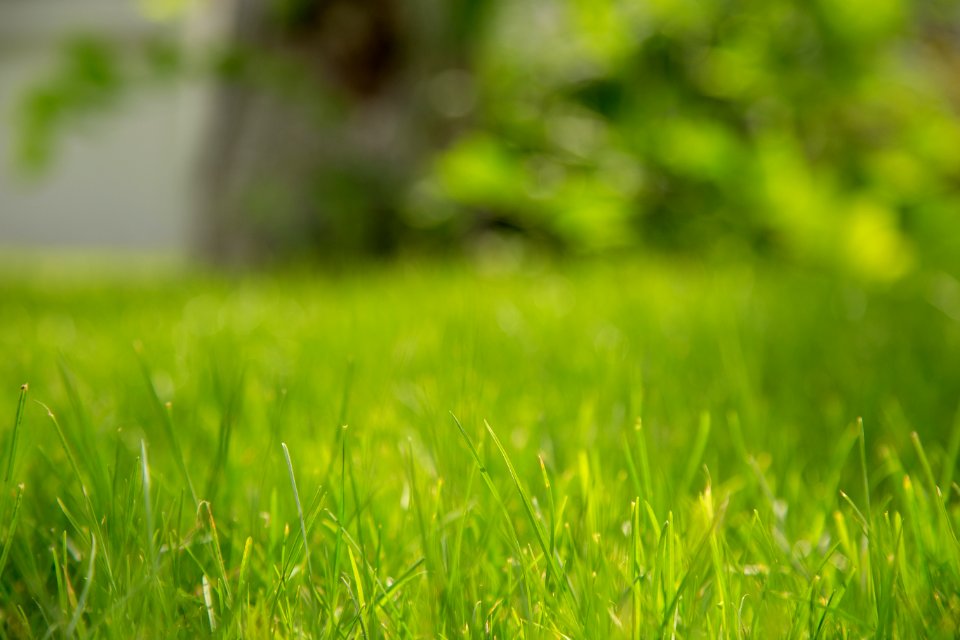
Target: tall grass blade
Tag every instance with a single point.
(11, 530)
(696, 452)
(147, 505)
(208, 603)
(552, 563)
(863, 471)
(85, 593)
(296, 498)
(15, 435)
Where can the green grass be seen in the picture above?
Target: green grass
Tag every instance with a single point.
(585, 451)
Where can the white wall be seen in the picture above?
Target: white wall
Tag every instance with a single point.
(122, 180)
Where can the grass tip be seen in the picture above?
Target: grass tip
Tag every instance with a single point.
(47, 409)
(24, 387)
(200, 506)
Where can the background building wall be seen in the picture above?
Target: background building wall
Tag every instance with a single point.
(120, 181)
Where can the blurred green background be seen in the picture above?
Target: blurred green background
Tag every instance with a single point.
(819, 132)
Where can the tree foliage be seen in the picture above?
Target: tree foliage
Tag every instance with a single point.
(822, 132)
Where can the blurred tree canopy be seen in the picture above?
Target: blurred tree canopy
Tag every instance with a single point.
(824, 132)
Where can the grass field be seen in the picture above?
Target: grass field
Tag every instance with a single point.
(592, 451)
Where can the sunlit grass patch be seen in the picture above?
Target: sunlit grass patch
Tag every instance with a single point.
(591, 451)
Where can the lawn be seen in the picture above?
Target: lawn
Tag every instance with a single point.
(542, 451)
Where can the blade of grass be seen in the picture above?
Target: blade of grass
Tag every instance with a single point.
(552, 563)
(488, 480)
(357, 579)
(937, 494)
(863, 472)
(11, 530)
(296, 498)
(217, 551)
(82, 601)
(147, 507)
(696, 452)
(208, 603)
(15, 434)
